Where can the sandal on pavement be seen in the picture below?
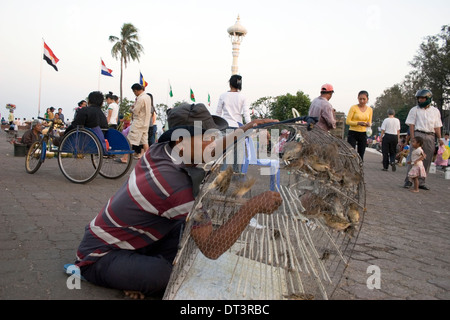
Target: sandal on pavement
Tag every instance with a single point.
(120, 161)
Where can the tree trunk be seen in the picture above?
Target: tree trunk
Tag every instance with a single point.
(121, 78)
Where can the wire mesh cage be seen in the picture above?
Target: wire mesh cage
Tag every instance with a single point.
(301, 250)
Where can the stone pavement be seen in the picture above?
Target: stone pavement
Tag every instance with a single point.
(42, 220)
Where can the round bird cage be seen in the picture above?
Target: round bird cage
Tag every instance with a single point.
(300, 251)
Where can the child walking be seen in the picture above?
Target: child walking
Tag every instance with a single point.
(418, 169)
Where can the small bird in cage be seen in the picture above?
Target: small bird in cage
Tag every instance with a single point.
(243, 188)
(292, 151)
(353, 213)
(223, 180)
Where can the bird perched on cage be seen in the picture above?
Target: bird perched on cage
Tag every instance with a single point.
(243, 188)
(336, 222)
(337, 208)
(312, 204)
(329, 153)
(350, 179)
(292, 151)
(223, 180)
(318, 165)
(353, 213)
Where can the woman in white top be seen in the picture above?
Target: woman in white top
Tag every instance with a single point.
(113, 110)
(233, 105)
(390, 132)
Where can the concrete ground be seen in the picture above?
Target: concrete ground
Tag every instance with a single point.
(405, 236)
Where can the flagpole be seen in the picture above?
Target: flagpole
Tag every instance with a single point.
(100, 73)
(168, 93)
(40, 78)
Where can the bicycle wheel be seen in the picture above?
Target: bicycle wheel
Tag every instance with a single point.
(80, 149)
(33, 159)
(113, 168)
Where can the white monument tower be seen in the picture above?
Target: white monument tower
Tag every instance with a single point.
(237, 33)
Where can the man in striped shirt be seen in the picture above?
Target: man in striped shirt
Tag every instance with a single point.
(133, 241)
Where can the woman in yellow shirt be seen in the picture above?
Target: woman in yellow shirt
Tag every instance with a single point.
(359, 119)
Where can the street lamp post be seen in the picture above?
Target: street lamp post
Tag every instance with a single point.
(237, 33)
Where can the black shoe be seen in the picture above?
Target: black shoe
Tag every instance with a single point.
(394, 168)
(424, 187)
(385, 169)
(408, 184)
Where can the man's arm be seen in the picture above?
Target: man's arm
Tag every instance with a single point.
(240, 131)
(412, 128)
(214, 243)
(330, 118)
(438, 133)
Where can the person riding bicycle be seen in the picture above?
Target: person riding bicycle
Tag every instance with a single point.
(90, 117)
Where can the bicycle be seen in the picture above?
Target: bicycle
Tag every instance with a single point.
(37, 152)
(83, 153)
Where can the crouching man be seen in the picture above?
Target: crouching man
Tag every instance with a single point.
(133, 241)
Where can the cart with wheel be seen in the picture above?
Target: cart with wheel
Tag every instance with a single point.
(86, 152)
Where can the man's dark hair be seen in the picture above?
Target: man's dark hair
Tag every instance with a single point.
(81, 102)
(96, 98)
(136, 86)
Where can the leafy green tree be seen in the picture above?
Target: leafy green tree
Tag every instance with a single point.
(432, 67)
(431, 70)
(261, 108)
(126, 48)
(402, 114)
(394, 98)
(281, 108)
(125, 106)
(161, 113)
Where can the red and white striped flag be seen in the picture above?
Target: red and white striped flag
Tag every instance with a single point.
(50, 57)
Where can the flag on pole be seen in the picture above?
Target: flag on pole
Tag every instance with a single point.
(106, 71)
(50, 57)
(142, 81)
(192, 96)
(209, 100)
(170, 92)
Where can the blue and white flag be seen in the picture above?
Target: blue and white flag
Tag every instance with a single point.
(106, 71)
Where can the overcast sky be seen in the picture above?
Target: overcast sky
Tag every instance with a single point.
(291, 46)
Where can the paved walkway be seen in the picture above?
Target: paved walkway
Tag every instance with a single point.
(42, 220)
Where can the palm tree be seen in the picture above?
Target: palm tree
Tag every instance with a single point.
(126, 48)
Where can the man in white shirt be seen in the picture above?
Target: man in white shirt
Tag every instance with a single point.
(390, 133)
(424, 121)
(142, 116)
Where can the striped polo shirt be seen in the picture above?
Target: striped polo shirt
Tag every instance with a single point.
(156, 196)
